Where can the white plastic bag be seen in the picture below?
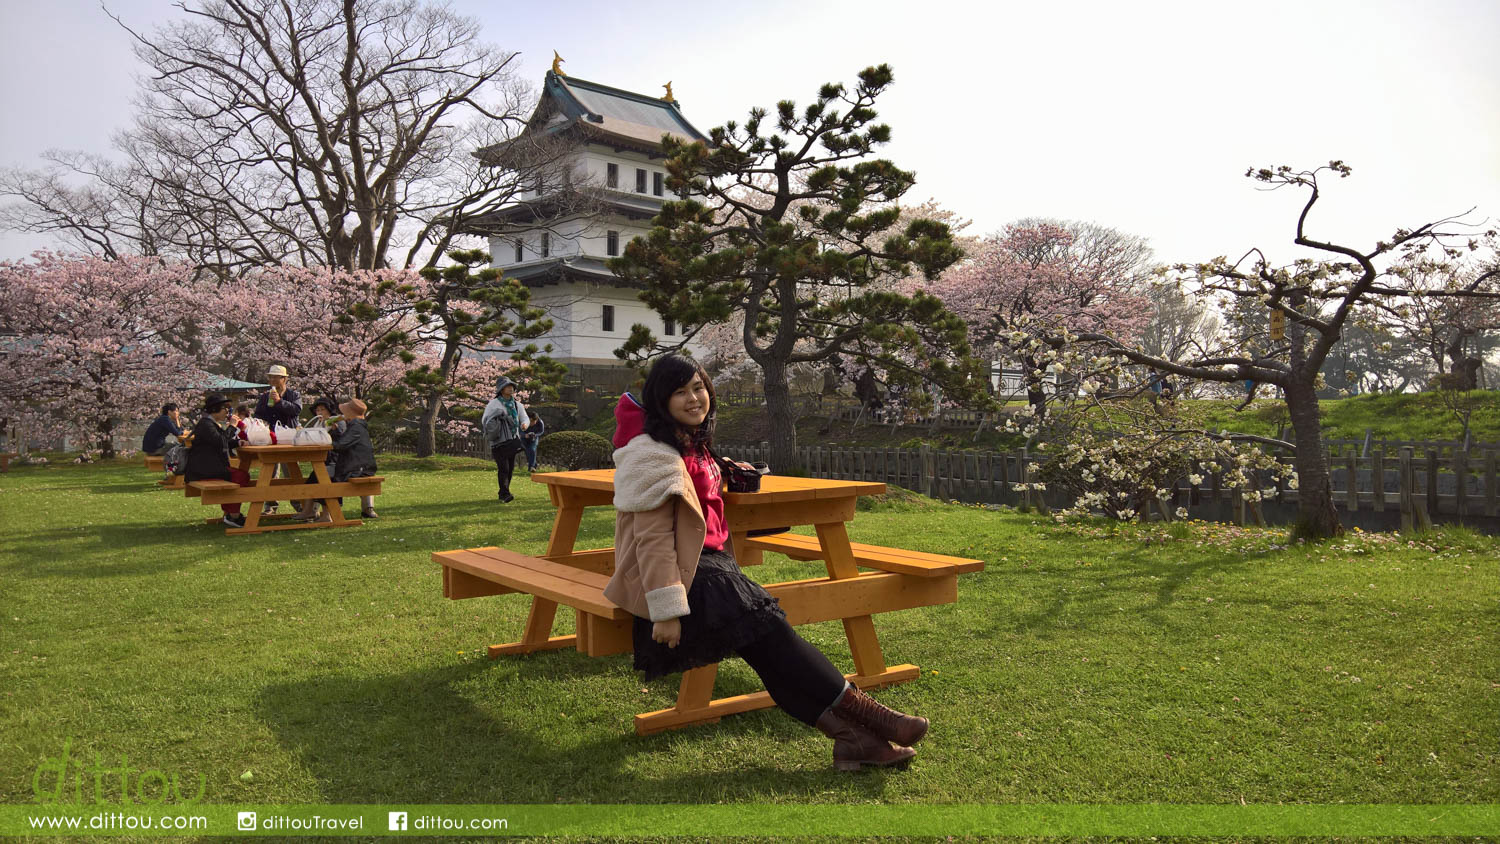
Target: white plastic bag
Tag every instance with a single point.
(312, 436)
(256, 432)
(282, 435)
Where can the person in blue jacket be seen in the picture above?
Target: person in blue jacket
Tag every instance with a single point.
(278, 404)
(169, 422)
(529, 439)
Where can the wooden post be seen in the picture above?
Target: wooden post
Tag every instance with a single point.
(1352, 500)
(1377, 479)
(1489, 483)
(1237, 506)
(1406, 484)
(925, 482)
(1026, 473)
(1461, 483)
(1432, 482)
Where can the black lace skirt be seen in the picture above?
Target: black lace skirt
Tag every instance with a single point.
(727, 611)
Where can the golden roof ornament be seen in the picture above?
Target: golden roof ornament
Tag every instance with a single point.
(669, 98)
(557, 64)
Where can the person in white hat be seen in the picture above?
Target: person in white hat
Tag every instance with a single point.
(280, 404)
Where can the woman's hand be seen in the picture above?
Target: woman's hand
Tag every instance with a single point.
(667, 632)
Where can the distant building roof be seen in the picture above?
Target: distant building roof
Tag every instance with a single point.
(222, 382)
(601, 114)
(558, 270)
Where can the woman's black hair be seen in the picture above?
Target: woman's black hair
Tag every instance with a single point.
(667, 375)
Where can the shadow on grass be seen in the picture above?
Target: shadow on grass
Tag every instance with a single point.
(417, 737)
(40, 554)
(1149, 579)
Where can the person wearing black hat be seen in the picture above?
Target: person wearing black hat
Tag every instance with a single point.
(325, 408)
(208, 459)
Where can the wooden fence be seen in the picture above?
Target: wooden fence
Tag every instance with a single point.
(1436, 482)
(1420, 486)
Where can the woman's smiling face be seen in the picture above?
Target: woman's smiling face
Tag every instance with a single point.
(689, 403)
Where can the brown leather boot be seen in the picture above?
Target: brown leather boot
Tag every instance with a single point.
(855, 747)
(893, 726)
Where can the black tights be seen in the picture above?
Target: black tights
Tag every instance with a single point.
(799, 677)
(505, 465)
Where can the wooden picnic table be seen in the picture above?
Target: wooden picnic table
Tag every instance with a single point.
(902, 580)
(259, 461)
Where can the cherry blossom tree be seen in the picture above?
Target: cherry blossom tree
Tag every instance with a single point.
(1041, 277)
(331, 327)
(84, 342)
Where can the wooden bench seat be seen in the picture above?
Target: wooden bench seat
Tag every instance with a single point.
(280, 489)
(156, 463)
(5, 458)
(900, 560)
(604, 629)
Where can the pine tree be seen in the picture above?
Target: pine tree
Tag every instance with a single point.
(792, 228)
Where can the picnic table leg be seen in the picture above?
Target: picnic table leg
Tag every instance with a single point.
(564, 530)
(860, 630)
(332, 505)
(743, 555)
(537, 635)
(697, 688)
(263, 479)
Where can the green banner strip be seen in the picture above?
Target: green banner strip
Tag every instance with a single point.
(748, 819)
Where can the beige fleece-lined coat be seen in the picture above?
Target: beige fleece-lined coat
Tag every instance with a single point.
(659, 530)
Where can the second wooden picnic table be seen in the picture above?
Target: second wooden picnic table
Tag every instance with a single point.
(260, 461)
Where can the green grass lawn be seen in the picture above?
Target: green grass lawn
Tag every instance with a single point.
(1088, 663)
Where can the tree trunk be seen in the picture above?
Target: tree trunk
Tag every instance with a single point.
(779, 409)
(106, 438)
(1317, 518)
(427, 429)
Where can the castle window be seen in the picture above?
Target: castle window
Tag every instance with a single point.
(669, 328)
(612, 175)
(609, 317)
(656, 184)
(520, 250)
(640, 181)
(546, 244)
(612, 243)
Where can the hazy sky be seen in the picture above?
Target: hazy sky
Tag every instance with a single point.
(1140, 115)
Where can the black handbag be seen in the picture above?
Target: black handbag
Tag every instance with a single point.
(739, 479)
(736, 477)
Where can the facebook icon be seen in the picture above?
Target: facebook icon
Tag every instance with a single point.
(397, 821)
